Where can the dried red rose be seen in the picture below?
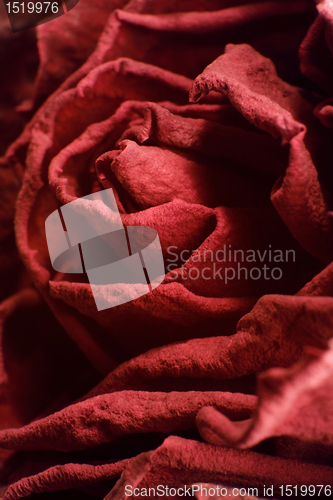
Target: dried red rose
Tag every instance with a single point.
(245, 166)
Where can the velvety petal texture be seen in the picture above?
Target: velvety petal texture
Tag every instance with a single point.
(211, 122)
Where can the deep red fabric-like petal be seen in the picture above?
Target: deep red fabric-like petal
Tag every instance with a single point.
(180, 461)
(293, 402)
(66, 43)
(244, 166)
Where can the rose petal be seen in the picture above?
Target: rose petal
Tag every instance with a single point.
(153, 176)
(61, 477)
(320, 285)
(272, 334)
(295, 402)
(66, 43)
(202, 22)
(74, 428)
(178, 462)
(299, 199)
(250, 82)
(324, 111)
(317, 47)
(223, 264)
(259, 151)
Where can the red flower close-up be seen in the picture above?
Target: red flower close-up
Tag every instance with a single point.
(205, 128)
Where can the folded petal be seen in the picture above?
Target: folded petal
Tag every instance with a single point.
(103, 418)
(295, 402)
(180, 461)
